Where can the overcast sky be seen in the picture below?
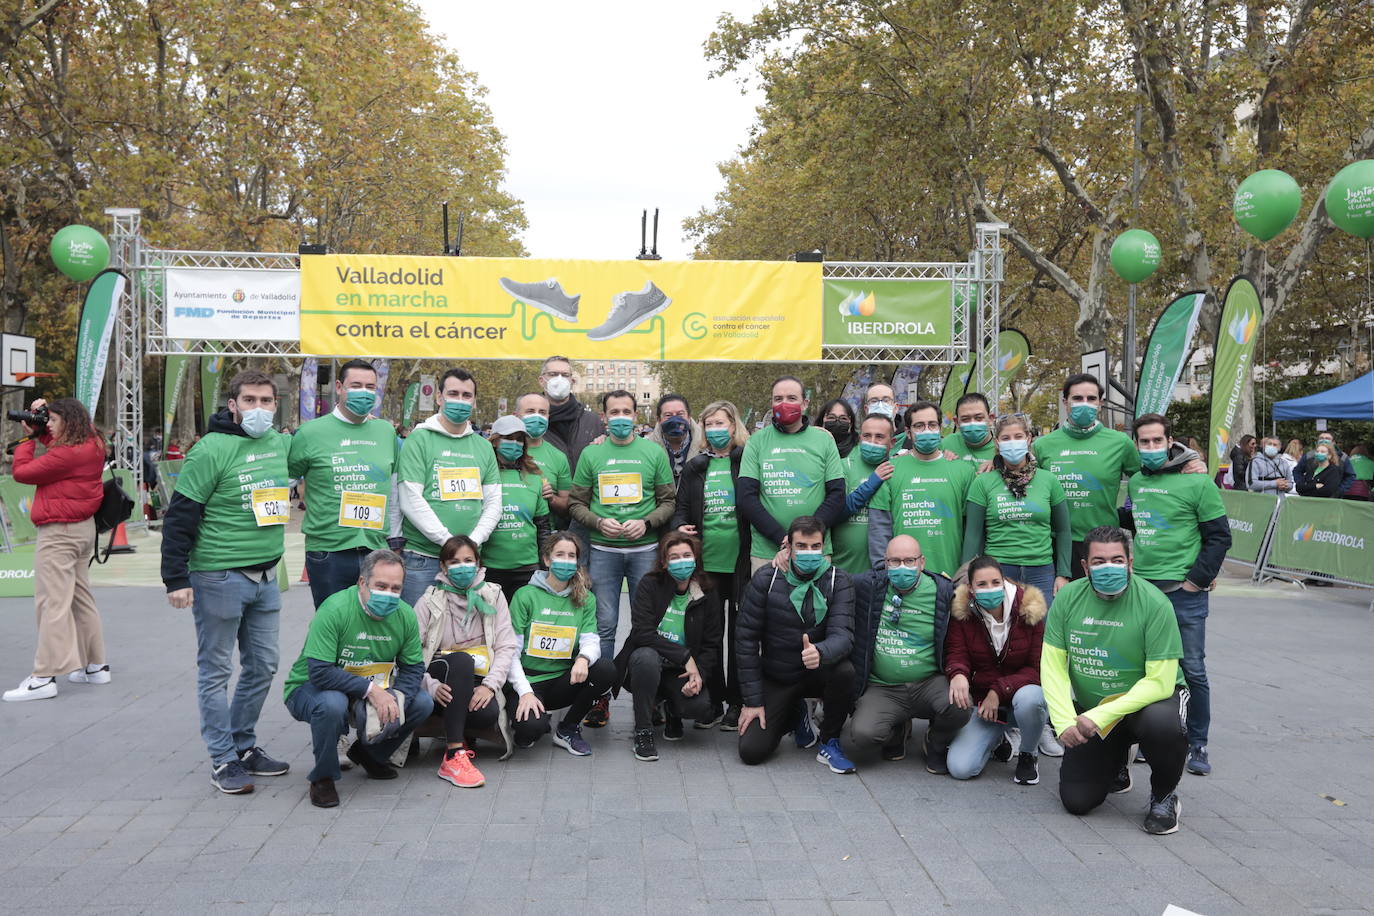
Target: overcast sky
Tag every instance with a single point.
(607, 109)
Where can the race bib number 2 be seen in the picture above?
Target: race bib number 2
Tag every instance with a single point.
(620, 489)
(362, 510)
(459, 483)
(271, 506)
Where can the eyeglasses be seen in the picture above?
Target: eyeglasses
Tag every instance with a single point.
(567, 375)
(909, 563)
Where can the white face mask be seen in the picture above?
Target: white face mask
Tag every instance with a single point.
(256, 421)
(883, 408)
(1271, 451)
(558, 387)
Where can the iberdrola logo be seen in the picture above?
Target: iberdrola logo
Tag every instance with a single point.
(1223, 440)
(1242, 327)
(860, 303)
(1009, 360)
(1304, 533)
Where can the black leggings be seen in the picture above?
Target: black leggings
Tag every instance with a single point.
(510, 580)
(652, 679)
(455, 670)
(1087, 771)
(833, 684)
(558, 692)
(723, 684)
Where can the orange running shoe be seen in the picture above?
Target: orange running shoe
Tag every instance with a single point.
(458, 769)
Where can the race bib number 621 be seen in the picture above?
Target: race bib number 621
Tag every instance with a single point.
(271, 506)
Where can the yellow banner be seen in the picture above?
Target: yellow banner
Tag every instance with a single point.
(522, 308)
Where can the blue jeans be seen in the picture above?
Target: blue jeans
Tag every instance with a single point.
(327, 713)
(420, 573)
(332, 571)
(1190, 608)
(231, 609)
(971, 748)
(1042, 577)
(609, 569)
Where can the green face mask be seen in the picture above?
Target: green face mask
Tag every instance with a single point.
(807, 561)
(1083, 415)
(457, 411)
(1109, 579)
(360, 401)
(535, 425)
(682, 570)
(872, 454)
(989, 598)
(1154, 458)
(903, 577)
(621, 427)
(510, 450)
(382, 604)
(973, 433)
(563, 570)
(926, 442)
(718, 437)
(462, 574)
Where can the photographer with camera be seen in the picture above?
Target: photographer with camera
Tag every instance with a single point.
(69, 492)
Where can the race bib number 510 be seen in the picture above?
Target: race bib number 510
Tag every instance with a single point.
(459, 483)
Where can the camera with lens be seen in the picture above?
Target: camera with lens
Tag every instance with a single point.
(38, 419)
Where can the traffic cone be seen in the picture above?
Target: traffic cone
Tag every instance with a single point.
(120, 542)
(305, 575)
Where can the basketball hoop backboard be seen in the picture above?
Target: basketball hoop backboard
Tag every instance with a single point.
(17, 356)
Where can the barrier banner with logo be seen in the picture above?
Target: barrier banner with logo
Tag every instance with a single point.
(18, 499)
(1166, 352)
(1248, 514)
(173, 377)
(1326, 536)
(212, 303)
(1231, 369)
(93, 331)
(521, 308)
(16, 574)
(888, 313)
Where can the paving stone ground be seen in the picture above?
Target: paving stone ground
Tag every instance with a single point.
(105, 804)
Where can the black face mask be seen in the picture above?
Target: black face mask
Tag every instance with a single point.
(837, 426)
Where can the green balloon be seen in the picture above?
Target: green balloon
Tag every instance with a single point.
(1266, 203)
(1135, 255)
(1350, 199)
(79, 252)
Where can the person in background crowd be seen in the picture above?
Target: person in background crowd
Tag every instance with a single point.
(992, 661)
(788, 470)
(555, 618)
(68, 493)
(973, 439)
(679, 436)
(1240, 461)
(1363, 467)
(1307, 469)
(867, 470)
(837, 418)
(1100, 710)
(572, 427)
(174, 452)
(882, 400)
(796, 630)
(1323, 473)
(361, 667)
(533, 411)
(1292, 453)
(1268, 472)
(448, 482)
(706, 510)
(512, 552)
(222, 538)
(675, 639)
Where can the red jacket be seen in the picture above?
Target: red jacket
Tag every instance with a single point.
(67, 477)
(968, 646)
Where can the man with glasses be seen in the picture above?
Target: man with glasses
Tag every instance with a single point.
(901, 615)
(881, 399)
(572, 426)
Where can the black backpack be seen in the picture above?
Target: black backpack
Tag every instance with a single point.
(115, 507)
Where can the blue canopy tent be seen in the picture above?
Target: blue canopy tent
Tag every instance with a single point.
(1351, 401)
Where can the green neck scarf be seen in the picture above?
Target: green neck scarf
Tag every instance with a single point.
(473, 597)
(800, 588)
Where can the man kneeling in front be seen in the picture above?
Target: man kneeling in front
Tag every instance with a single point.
(361, 667)
(1109, 669)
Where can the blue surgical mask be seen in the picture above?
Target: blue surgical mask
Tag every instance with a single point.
(462, 574)
(382, 604)
(256, 421)
(872, 454)
(973, 433)
(926, 442)
(1154, 458)
(1083, 415)
(360, 401)
(563, 570)
(1013, 451)
(457, 411)
(621, 427)
(1271, 451)
(682, 570)
(1109, 579)
(510, 450)
(989, 598)
(535, 425)
(807, 561)
(718, 437)
(903, 577)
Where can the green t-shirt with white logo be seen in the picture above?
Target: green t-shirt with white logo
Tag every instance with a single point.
(792, 470)
(347, 469)
(926, 500)
(1168, 509)
(1089, 467)
(346, 636)
(451, 471)
(850, 537)
(549, 627)
(673, 626)
(515, 541)
(904, 648)
(719, 525)
(221, 473)
(955, 443)
(1108, 641)
(553, 464)
(623, 480)
(1018, 531)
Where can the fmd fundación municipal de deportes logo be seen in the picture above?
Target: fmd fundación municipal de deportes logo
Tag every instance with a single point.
(239, 295)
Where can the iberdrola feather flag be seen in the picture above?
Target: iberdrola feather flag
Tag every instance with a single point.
(1232, 366)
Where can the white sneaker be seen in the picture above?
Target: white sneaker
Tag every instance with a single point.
(32, 688)
(1049, 743)
(345, 743)
(91, 674)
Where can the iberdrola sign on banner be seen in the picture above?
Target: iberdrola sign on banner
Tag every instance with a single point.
(1326, 536)
(896, 313)
(520, 308)
(1231, 367)
(1166, 352)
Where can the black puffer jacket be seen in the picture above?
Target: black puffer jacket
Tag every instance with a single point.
(870, 591)
(701, 626)
(768, 634)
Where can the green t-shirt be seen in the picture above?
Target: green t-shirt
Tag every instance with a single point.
(345, 635)
(623, 480)
(926, 500)
(1107, 641)
(904, 650)
(673, 626)
(1018, 531)
(451, 471)
(221, 473)
(549, 627)
(955, 443)
(792, 470)
(850, 537)
(1364, 467)
(553, 464)
(1089, 467)
(719, 525)
(1168, 509)
(515, 541)
(337, 457)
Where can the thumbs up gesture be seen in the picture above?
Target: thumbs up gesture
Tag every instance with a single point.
(811, 656)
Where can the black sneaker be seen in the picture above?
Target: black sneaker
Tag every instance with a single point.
(1002, 753)
(672, 728)
(712, 719)
(231, 778)
(644, 745)
(256, 761)
(1198, 764)
(730, 721)
(599, 714)
(1122, 784)
(1027, 773)
(937, 759)
(374, 768)
(894, 748)
(1162, 817)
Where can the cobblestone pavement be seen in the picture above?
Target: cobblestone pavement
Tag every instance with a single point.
(105, 804)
